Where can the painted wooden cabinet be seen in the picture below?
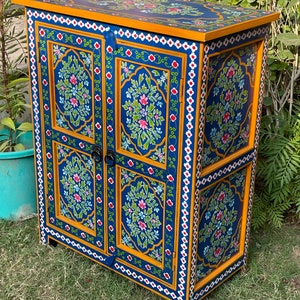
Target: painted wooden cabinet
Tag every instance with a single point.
(146, 119)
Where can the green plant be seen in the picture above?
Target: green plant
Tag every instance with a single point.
(13, 80)
(278, 171)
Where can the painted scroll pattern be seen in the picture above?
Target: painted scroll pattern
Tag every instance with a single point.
(143, 110)
(229, 103)
(76, 176)
(142, 214)
(73, 80)
(221, 208)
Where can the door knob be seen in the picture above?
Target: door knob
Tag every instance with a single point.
(110, 158)
(97, 154)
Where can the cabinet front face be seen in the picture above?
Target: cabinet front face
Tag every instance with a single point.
(71, 66)
(112, 118)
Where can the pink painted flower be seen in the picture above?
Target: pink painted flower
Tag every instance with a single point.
(142, 225)
(226, 117)
(218, 233)
(221, 196)
(228, 95)
(219, 215)
(225, 138)
(74, 102)
(77, 198)
(149, 5)
(143, 124)
(245, 135)
(142, 204)
(230, 72)
(73, 79)
(218, 251)
(76, 178)
(174, 9)
(144, 99)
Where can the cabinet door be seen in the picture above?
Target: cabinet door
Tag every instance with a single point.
(71, 69)
(143, 148)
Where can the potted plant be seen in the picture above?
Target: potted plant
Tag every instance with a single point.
(17, 185)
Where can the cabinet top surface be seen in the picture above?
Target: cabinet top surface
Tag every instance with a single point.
(200, 20)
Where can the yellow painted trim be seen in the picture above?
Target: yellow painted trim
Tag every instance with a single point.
(194, 172)
(252, 107)
(241, 251)
(155, 28)
(256, 90)
(104, 149)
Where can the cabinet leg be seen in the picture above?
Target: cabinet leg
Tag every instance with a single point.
(52, 243)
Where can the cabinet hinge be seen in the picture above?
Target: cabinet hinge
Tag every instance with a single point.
(181, 91)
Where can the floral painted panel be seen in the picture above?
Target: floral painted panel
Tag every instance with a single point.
(73, 82)
(231, 77)
(221, 207)
(144, 108)
(76, 187)
(142, 215)
(74, 88)
(149, 96)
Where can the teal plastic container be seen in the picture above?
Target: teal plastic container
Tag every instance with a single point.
(17, 182)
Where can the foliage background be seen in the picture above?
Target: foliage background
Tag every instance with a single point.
(277, 192)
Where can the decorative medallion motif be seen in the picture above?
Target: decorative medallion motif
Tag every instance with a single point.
(143, 111)
(73, 81)
(221, 208)
(76, 64)
(229, 103)
(142, 214)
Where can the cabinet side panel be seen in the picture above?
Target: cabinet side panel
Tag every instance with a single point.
(231, 103)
